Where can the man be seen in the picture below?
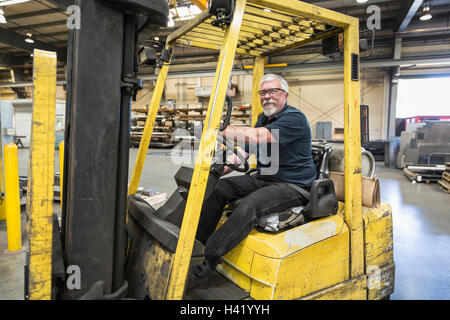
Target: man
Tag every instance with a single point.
(260, 194)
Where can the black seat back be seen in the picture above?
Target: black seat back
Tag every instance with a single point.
(323, 201)
(321, 155)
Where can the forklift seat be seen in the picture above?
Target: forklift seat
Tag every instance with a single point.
(322, 200)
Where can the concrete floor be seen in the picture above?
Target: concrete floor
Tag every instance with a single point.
(421, 220)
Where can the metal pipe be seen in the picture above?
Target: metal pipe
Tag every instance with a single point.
(25, 84)
(316, 67)
(310, 67)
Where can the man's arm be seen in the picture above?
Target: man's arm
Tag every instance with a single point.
(248, 135)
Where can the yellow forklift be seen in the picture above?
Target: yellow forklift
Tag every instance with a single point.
(344, 252)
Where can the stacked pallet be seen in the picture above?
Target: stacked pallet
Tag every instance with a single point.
(445, 182)
(424, 172)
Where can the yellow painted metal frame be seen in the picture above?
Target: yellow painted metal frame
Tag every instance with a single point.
(202, 166)
(41, 175)
(148, 128)
(2, 190)
(293, 263)
(254, 32)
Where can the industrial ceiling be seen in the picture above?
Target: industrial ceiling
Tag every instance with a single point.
(44, 21)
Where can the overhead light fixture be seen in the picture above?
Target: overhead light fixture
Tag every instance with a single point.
(2, 17)
(29, 40)
(10, 2)
(362, 1)
(426, 13)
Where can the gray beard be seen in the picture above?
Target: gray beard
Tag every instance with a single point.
(269, 110)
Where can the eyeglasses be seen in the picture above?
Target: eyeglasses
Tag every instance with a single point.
(271, 92)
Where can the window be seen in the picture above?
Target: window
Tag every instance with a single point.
(423, 97)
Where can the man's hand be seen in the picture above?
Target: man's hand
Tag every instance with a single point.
(234, 159)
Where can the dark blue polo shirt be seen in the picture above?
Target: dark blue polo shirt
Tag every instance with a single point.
(295, 164)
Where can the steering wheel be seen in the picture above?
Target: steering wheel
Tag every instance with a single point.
(229, 148)
(228, 145)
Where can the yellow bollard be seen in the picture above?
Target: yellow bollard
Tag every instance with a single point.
(12, 194)
(61, 170)
(2, 190)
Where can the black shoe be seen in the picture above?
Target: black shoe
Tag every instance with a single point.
(199, 274)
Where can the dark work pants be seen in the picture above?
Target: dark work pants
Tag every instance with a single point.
(258, 196)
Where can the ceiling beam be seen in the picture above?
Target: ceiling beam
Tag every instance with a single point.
(39, 25)
(18, 41)
(8, 60)
(340, 5)
(32, 14)
(353, 7)
(62, 4)
(407, 12)
(52, 34)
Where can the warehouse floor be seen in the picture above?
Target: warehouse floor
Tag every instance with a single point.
(421, 220)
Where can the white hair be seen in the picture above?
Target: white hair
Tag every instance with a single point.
(272, 76)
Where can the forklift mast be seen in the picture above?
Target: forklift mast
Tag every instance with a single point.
(101, 81)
